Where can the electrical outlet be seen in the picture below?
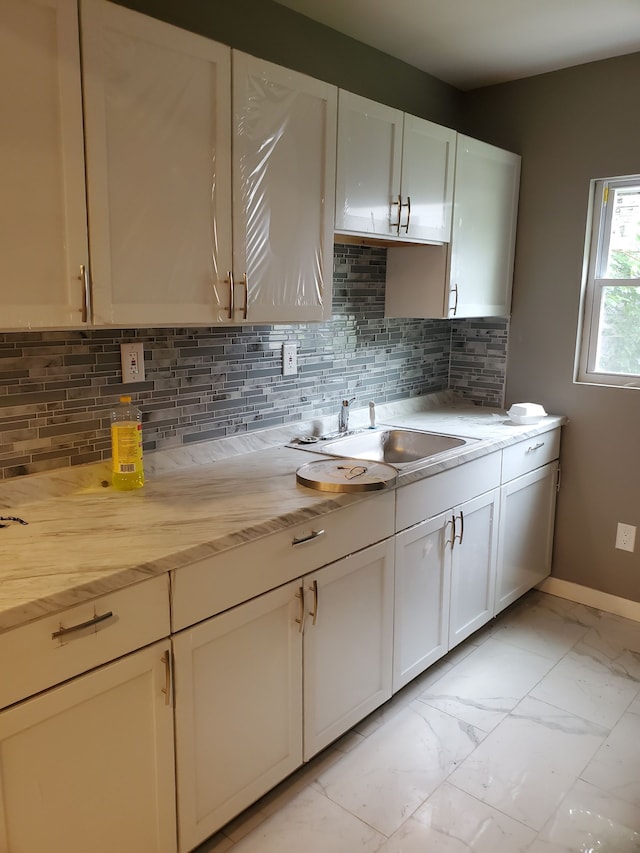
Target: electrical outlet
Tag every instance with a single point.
(626, 537)
(132, 358)
(289, 360)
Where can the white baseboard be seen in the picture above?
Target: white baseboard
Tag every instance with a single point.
(591, 597)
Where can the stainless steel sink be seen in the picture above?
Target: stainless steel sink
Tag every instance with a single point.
(395, 446)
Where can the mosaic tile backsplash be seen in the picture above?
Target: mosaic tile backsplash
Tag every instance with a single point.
(57, 388)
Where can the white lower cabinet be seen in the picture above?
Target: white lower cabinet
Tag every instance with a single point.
(238, 709)
(444, 583)
(473, 565)
(89, 765)
(527, 513)
(445, 564)
(422, 589)
(240, 692)
(348, 639)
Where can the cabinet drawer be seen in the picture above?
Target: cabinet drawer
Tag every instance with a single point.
(434, 495)
(35, 660)
(231, 577)
(530, 454)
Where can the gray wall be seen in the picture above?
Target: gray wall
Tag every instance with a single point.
(570, 126)
(271, 31)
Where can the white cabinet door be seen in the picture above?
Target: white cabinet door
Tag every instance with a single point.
(473, 565)
(394, 173)
(428, 165)
(283, 192)
(158, 138)
(472, 275)
(368, 166)
(422, 590)
(348, 637)
(89, 765)
(527, 513)
(484, 230)
(43, 226)
(238, 709)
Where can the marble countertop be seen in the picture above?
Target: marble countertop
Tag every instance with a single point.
(84, 539)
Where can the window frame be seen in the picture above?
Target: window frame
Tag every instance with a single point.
(598, 236)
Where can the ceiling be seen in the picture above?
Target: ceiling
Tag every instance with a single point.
(471, 43)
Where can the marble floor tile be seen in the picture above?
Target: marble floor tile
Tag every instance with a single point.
(419, 684)
(615, 768)
(616, 642)
(586, 687)
(589, 819)
(313, 823)
(488, 683)
(392, 772)
(539, 628)
(406, 695)
(219, 843)
(453, 822)
(530, 761)
(571, 611)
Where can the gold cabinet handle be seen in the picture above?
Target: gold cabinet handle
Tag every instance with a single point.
(395, 203)
(245, 281)
(300, 621)
(454, 290)
(408, 206)
(231, 294)
(95, 620)
(451, 541)
(86, 293)
(314, 613)
(166, 660)
(313, 535)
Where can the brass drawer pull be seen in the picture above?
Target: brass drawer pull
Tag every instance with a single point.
(231, 294)
(62, 632)
(166, 660)
(313, 535)
(534, 447)
(86, 293)
(300, 621)
(314, 613)
(451, 541)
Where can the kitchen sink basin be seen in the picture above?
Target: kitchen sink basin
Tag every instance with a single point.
(395, 446)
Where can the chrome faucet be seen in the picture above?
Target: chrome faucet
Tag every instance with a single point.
(343, 416)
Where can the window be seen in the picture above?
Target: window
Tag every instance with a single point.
(609, 346)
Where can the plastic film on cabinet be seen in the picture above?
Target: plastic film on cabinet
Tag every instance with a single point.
(283, 124)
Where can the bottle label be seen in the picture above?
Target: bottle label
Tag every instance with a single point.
(126, 444)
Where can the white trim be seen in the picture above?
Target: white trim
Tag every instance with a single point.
(602, 195)
(591, 597)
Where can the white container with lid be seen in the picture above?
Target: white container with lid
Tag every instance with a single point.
(526, 413)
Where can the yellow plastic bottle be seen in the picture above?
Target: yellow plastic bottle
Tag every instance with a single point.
(127, 471)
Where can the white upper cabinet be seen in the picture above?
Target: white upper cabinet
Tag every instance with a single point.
(394, 173)
(483, 233)
(428, 158)
(283, 192)
(472, 276)
(162, 148)
(158, 143)
(368, 166)
(43, 234)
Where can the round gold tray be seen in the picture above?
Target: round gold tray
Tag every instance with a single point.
(346, 475)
